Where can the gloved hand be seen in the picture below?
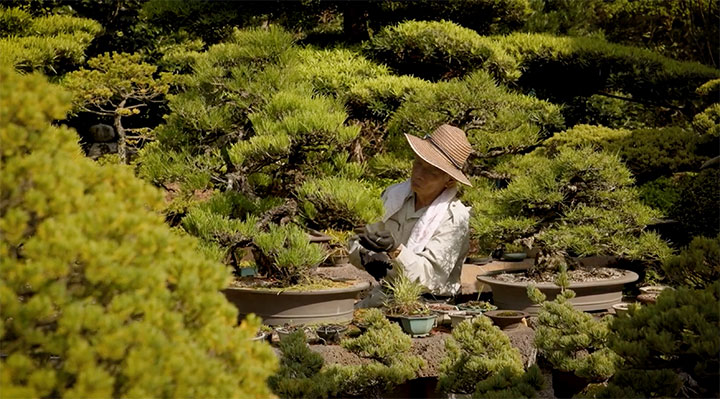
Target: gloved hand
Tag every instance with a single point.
(378, 265)
(381, 241)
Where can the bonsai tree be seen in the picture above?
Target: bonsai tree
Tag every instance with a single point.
(572, 340)
(697, 266)
(404, 296)
(266, 139)
(575, 202)
(117, 86)
(303, 373)
(479, 359)
(670, 348)
(51, 44)
(97, 293)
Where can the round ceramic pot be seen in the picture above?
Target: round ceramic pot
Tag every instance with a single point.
(589, 296)
(278, 308)
(506, 319)
(417, 326)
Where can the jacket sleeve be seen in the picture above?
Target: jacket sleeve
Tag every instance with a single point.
(434, 265)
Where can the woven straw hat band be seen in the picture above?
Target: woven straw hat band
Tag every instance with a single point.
(452, 143)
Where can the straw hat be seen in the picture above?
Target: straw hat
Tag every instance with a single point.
(447, 149)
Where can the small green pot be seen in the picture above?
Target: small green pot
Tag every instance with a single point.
(247, 271)
(417, 326)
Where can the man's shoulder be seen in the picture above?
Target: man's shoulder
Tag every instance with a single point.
(459, 213)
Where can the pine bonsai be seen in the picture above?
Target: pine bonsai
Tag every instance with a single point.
(97, 293)
(404, 296)
(697, 266)
(572, 340)
(304, 375)
(670, 348)
(479, 359)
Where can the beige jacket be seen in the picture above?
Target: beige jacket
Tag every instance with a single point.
(439, 264)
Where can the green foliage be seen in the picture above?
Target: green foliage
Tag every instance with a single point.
(697, 266)
(577, 201)
(334, 72)
(404, 296)
(697, 208)
(440, 50)
(496, 120)
(707, 123)
(96, 292)
(671, 348)
(477, 351)
(379, 97)
(566, 17)
(587, 66)
(288, 254)
(679, 29)
(52, 44)
(339, 203)
(661, 194)
(572, 340)
(508, 385)
(117, 86)
(302, 374)
(483, 16)
(647, 152)
(617, 110)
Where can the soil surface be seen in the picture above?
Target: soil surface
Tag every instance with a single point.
(578, 275)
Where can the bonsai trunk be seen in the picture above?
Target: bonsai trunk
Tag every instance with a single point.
(122, 146)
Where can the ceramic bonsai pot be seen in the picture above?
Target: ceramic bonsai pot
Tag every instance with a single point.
(278, 308)
(513, 256)
(506, 319)
(247, 271)
(589, 296)
(331, 333)
(621, 309)
(417, 326)
(460, 316)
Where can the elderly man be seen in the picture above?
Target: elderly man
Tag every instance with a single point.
(424, 232)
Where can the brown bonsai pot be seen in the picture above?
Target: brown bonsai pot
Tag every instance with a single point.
(589, 296)
(277, 308)
(506, 319)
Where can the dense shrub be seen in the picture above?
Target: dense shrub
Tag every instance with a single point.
(697, 208)
(648, 153)
(617, 110)
(579, 201)
(379, 97)
(708, 121)
(496, 120)
(587, 66)
(661, 194)
(668, 349)
(53, 44)
(439, 50)
(97, 294)
(339, 203)
(697, 266)
(333, 72)
(483, 16)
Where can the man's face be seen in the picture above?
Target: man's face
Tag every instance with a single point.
(427, 179)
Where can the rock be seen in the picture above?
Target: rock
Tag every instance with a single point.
(523, 338)
(102, 133)
(97, 150)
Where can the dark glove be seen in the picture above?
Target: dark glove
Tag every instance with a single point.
(381, 241)
(378, 265)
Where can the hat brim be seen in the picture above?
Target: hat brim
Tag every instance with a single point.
(430, 154)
